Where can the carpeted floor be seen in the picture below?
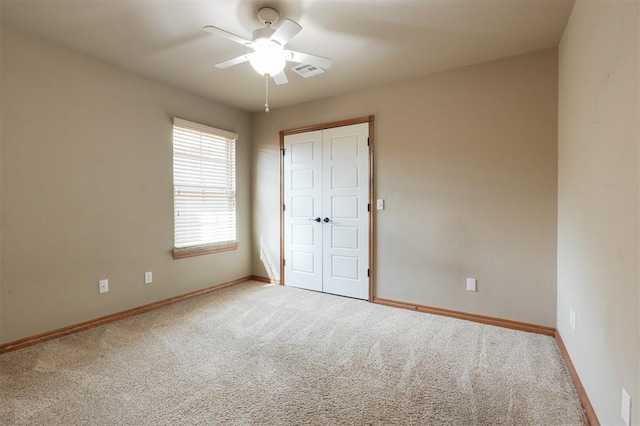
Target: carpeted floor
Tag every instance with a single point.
(262, 354)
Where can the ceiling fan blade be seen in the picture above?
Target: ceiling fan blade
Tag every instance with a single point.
(227, 35)
(234, 61)
(305, 58)
(286, 31)
(280, 78)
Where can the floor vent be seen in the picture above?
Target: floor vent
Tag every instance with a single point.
(307, 71)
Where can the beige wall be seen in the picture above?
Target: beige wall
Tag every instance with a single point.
(598, 201)
(87, 189)
(466, 163)
(0, 177)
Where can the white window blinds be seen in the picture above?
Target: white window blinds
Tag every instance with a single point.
(204, 182)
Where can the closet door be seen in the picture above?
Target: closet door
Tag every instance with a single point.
(303, 210)
(345, 196)
(326, 219)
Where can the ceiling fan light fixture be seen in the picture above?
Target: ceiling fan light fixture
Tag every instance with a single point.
(267, 58)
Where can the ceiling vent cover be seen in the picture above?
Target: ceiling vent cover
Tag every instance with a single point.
(306, 70)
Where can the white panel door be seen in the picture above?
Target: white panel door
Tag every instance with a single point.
(345, 196)
(303, 208)
(326, 178)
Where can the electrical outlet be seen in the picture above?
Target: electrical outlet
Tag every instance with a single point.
(471, 284)
(148, 277)
(103, 286)
(572, 319)
(625, 409)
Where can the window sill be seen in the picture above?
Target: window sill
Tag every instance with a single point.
(181, 253)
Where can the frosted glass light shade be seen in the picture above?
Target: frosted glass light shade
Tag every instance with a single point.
(267, 60)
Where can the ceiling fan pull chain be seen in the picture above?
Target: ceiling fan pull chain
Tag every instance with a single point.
(266, 85)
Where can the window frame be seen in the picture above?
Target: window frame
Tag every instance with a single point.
(213, 247)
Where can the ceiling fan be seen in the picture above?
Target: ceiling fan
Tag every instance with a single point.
(269, 55)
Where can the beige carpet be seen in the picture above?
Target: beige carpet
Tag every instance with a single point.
(261, 354)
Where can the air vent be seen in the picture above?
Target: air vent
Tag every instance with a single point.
(307, 71)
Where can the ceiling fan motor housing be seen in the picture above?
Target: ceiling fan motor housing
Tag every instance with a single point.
(263, 33)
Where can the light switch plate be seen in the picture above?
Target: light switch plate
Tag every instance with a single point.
(103, 285)
(380, 204)
(148, 277)
(572, 319)
(625, 409)
(471, 284)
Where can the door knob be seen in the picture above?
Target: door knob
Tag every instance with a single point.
(317, 219)
(326, 220)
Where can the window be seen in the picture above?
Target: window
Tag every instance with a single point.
(204, 189)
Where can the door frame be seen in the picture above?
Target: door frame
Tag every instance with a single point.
(368, 119)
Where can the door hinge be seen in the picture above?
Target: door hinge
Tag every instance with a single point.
(368, 207)
(284, 207)
(283, 150)
(368, 141)
(368, 272)
(284, 262)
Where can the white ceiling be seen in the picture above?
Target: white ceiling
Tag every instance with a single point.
(371, 42)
